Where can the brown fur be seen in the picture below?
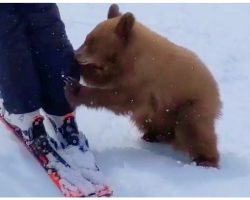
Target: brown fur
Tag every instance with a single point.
(169, 92)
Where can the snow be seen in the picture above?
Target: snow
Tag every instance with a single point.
(219, 34)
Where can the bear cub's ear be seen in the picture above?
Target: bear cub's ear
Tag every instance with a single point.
(125, 25)
(113, 11)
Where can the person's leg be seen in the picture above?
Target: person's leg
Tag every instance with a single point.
(19, 83)
(53, 54)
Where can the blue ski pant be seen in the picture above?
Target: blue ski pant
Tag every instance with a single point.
(34, 53)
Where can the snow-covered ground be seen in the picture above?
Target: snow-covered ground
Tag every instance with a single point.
(219, 34)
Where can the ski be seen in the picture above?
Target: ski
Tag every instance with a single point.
(67, 189)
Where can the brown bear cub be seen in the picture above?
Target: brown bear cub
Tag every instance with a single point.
(165, 88)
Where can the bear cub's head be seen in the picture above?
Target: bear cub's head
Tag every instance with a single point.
(101, 53)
